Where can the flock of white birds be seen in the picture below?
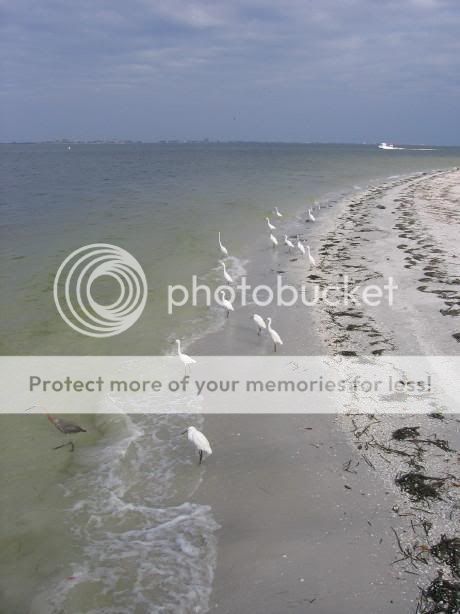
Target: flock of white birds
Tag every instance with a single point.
(194, 436)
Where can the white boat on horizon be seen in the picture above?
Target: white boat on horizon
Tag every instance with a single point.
(388, 146)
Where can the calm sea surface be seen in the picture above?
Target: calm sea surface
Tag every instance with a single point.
(110, 528)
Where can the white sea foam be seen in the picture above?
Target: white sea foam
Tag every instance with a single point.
(139, 545)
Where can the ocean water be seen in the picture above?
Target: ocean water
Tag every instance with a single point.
(110, 528)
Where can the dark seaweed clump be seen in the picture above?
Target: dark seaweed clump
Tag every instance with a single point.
(406, 432)
(436, 415)
(420, 486)
(448, 551)
(440, 597)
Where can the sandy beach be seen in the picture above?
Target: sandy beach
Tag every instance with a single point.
(318, 513)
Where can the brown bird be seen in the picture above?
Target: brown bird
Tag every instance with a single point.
(65, 427)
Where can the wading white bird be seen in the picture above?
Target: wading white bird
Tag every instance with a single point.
(185, 358)
(226, 303)
(300, 247)
(288, 243)
(311, 216)
(310, 257)
(274, 240)
(269, 224)
(223, 249)
(227, 275)
(260, 323)
(277, 212)
(199, 441)
(274, 335)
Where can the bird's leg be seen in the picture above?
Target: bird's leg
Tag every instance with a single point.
(63, 445)
(228, 313)
(258, 332)
(201, 457)
(274, 346)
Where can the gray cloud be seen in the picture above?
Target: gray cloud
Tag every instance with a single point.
(238, 58)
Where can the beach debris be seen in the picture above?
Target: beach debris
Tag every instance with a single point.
(408, 553)
(447, 550)
(441, 596)
(436, 415)
(347, 467)
(406, 432)
(419, 486)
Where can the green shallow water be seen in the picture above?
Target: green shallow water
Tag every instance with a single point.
(107, 528)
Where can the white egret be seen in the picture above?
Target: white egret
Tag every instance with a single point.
(269, 224)
(227, 275)
(300, 247)
(274, 240)
(311, 216)
(223, 249)
(310, 257)
(260, 322)
(199, 441)
(288, 243)
(185, 358)
(226, 303)
(277, 212)
(273, 334)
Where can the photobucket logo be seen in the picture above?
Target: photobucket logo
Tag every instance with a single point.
(282, 295)
(73, 286)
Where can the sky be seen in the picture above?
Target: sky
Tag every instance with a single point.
(256, 70)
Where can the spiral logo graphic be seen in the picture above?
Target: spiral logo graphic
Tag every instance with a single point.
(73, 290)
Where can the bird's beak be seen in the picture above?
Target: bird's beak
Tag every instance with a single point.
(31, 407)
(183, 432)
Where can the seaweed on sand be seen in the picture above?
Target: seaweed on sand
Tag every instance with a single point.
(406, 432)
(419, 486)
(448, 551)
(440, 597)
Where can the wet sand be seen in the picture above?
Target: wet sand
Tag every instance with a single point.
(312, 519)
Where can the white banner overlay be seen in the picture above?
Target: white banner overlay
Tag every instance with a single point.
(230, 384)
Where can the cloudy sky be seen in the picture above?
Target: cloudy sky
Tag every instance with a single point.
(282, 70)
